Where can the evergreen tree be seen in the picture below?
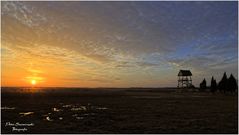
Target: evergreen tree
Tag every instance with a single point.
(213, 85)
(232, 84)
(222, 85)
(203, 84)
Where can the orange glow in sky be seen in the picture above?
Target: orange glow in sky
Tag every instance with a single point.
(33, 82)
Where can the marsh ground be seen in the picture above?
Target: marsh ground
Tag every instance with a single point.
(118, 111)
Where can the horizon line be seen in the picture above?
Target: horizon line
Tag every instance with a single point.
(89, 87)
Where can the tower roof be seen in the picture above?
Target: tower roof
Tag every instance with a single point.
(184, 73)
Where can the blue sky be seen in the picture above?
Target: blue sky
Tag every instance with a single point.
(121, 44)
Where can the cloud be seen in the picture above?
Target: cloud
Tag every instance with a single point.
(126, 40)
(124, 65)
(99, 58)
(22, 13)
(146, 64)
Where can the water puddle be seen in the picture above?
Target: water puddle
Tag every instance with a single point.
(7, 108)
(79, 118)
(46, 114)
(101, 108)
(77, 107)
(48, 118)
(56, 109)
(76, 116)
(81, 108)
(89, 114)
(68, 106)
(26, 113)
(79, 112)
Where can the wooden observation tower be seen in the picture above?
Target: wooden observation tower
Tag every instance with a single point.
(184, 79)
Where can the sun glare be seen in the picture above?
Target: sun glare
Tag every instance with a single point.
(33, 82)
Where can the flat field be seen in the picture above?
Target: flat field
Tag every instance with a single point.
(132, 110)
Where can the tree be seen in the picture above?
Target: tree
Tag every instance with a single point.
(232, 84)
(222, 85)
(213, 85)
(203, 84)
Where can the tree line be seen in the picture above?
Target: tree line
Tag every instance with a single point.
(224, 85)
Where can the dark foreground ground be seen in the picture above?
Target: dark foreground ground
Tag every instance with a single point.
(117, 111)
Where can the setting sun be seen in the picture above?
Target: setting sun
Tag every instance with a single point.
(33, 82)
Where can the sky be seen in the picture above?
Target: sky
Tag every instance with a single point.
(116, 44)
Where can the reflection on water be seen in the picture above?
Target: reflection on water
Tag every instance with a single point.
(7, 108)
(65, 112)
(79, 118)
(56, 110)
(101, 108)
(48, 118)
(46, 114)
(26, 113)
(67, 106)
(81, 108)
(87, 114)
